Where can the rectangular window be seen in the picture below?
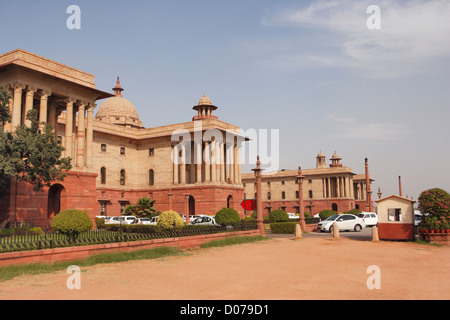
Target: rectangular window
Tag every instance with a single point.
(395, 214)
(268, 195)
(103, 206)
(59, 140)
(123, 206)
(103, 147)
(282, 182)
(122, 150)
(151, 152)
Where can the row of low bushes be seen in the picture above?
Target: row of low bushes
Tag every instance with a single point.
(20, 231)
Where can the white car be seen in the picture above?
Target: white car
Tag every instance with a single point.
(293, 216)
(113, 220)
(343, 221)
(141, 221)
(369, 218)
(204, 221)
(154, 221)
(127, 219)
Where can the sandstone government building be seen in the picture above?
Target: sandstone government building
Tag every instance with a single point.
(117, 161)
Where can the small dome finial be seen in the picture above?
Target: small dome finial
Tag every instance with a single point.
(118, 89)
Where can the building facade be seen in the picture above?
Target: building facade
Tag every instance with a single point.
(192, 167)
(335, 187)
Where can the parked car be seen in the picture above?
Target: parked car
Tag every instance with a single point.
(154, 220)
(141, 221)
(204, 221)
(343, 221)
(113, 220)
(293, 216)
(127, 219)
(369, 218)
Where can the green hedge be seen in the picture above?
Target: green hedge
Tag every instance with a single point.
(283, 227)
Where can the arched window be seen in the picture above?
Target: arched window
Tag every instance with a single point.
(151, 177)
(334, 207)
(283, 195)
(103, 175)
(122, 177)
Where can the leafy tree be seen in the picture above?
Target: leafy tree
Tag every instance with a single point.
(30, 154)
(143, 209)
(5, 115)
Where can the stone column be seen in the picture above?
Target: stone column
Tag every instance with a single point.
(329, 187)
(231, 157)
(207, 162)
(183, 164)
(213, 160)
(43, 107)
(69, 127)
(236, 174)
(199, 161)
(238, 164)
(89, 135)
(175, 164)
(222, 161)
(29, 103)
(217, 159)
(17, 105)
(338, 187)
(81, 135)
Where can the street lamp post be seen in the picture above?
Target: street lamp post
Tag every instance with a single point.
(300, 178)
(259, 217)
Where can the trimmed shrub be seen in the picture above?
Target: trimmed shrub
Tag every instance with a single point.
(227, 216)
(169, 220)
(324, 214)
(283, 227)
(279, 216)
(71, 222)
(100, 223)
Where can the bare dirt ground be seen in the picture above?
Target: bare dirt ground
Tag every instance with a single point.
(277, 269)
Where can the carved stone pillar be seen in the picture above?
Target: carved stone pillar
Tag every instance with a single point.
(81, 134)
(89, 135)
(17, 105)
(69, 127)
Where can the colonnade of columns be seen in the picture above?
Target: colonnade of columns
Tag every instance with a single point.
(78, 139)
(207, 161)
(337, 187)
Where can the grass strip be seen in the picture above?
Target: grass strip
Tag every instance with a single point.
(11, 271)
(232, 241)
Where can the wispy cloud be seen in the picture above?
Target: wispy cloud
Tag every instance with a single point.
(412, 34)
(344, 127)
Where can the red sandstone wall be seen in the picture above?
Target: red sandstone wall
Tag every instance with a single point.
(208, 199)
(396, 231)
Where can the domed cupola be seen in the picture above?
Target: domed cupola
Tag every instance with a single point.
(205, 109)
(118, 110)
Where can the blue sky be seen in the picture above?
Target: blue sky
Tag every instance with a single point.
(311, 69)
